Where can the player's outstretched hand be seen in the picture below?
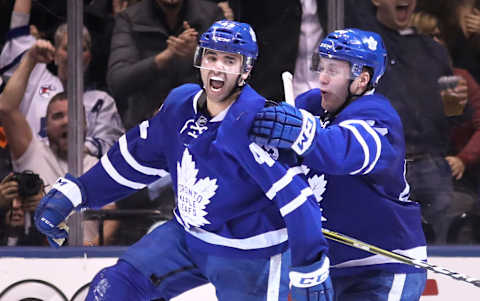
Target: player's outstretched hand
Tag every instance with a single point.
(54, 208)
(312, 283)
(284, 126)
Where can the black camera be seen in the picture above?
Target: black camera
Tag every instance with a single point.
(29, 183)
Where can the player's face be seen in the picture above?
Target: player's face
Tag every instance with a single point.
(57, 127)
(220, 73)
(394, 14)
(334, 82)
(61, 58)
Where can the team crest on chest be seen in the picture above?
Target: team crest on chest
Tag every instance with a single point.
(194, 127)
(193, 194)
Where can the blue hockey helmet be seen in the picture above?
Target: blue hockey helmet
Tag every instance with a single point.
(360, 48)
(232, 37)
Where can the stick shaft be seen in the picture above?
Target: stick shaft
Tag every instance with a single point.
(346, 240)
(287, 79)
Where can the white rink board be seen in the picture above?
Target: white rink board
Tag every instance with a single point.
(70, 274)
(454, 290)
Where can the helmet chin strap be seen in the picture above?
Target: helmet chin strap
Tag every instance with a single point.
(350, 97)
(240, 84)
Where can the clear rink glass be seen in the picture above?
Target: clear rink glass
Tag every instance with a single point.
(217, 60)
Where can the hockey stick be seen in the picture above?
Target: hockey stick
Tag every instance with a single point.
(346, 240)
(287, 79)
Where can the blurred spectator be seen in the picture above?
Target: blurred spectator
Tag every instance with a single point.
(46, 15)
(27, 150)
(103, 121)
(99, 19)
(360, 13)
(227, 10)
(152, 49)
(415, 64)
(460, 25)
(464, 156)
(288, 32)
(23, 192)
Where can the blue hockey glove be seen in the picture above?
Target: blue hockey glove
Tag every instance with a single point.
(55, 207)
(312, 283)
(284, 126)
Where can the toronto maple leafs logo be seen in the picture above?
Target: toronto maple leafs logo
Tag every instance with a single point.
(318, 185)
(193, 194)
(372, 43)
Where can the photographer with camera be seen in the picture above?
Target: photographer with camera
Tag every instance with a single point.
(21, 192)
(28, 152)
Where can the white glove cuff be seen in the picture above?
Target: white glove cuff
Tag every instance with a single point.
(310, 279)
(70, 190)
(305, 139)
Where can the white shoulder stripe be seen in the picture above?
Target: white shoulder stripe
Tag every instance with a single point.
(378, 143)
(375, 137)
(363, 144)
(296, 202)
(143, 129)
(134, 164)
(195, 100)
(404, 195)
(284, 181)
(113, 173)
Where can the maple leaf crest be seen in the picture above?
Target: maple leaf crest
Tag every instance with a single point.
(193, 195)
(318, 185)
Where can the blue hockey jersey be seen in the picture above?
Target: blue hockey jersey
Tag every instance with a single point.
(233, 197)
(358, 176)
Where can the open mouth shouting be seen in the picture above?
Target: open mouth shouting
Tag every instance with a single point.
(216, 83)
(403, 11)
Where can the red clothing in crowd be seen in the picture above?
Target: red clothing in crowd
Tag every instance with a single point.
(466, 137)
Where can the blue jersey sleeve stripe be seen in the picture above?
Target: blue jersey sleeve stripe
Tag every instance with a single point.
(284, 181)
(112, 172)
(143, 127)
(296, 202)
(134, 164)
(362, 143)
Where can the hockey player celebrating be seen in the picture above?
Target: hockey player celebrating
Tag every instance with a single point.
(235, 201)
(355, 149)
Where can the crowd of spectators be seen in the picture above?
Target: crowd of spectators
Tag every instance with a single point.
(135, 52)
